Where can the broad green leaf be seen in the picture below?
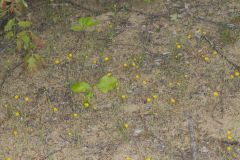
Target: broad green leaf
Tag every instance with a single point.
(9, 25)
(31, 62)
(9, 35)
(81, 87)
(76, 28)
(84, 23)
(174, 17)
(25, 38)
(18, 44)
(87, 22)
(107, 83)
(24, 24)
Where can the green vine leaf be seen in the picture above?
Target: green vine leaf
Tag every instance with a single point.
(84, 23)
(107, 83)
(24, 24)
(32, 61)
(81, 87)
(9, 26)
(25, 38)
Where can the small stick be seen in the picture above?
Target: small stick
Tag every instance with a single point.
(192, 135)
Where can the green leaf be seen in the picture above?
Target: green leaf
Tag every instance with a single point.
(174, 17)
(24, 24)
(76, 28)
(88, 96)
(32, 61)
(81, 87)
(87, 22)
(107, 83)
(9, 25)
(18, 44)
(9, 35)
(84, 23)
(24, 3)
(25, 38)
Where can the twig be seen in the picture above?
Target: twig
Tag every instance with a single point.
(222, 24)
(53, 152)
(212, 44)
(192, 135)
(8, 74)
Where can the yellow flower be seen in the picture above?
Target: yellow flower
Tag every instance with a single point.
(189, 36)
(16, 96)
(178, 46)
(128, 158)
(231, 76)
(106, 58)
(229, 137)
(215, 53)
(133, 64)
(94, 108)
(86, 104)
(125, 65)
(14, 132)
(69, 133)
(173, 101)
(170, 84)
(26, 99)
(109, 74)
(123, 97)
(8, 158)
(148, 99)
(154, 96)
(237, 74)
(57, 61)
(125, 125)
(229, 132)
(229, 148)
(17, 114)
(94, 61)
(69, 56)
(55, 110)
(75, 115)
(148, 158)
(137, 76)
(215, 94)
(144, 82)
(206, 58)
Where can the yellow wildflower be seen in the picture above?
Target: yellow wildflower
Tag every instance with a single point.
(57, 61)
(154, 96)
(215, 94)
(26, 99)
(125, 65)
(229, 148)
(125, 125)
(148, 99)
(17, 114)
(16, 96)
(237, 74)
(206, 58)
(55, 110)
(86, 104)
(173, 101)
(14, 132)
(106, 58)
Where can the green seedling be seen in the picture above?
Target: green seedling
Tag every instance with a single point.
(83, 24)
(83, 87)
(107, 83)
